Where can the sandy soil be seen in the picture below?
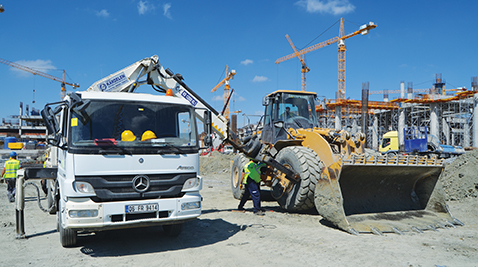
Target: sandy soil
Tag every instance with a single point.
(224, 238)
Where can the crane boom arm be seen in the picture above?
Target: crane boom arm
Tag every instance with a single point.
(363, 30)
(153, 73)
(37, 72)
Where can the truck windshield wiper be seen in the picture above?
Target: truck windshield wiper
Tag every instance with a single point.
(115, 150)
(168, 146)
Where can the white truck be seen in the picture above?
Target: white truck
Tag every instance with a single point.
(127, 159)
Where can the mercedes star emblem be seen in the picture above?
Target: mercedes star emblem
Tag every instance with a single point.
(141, 183)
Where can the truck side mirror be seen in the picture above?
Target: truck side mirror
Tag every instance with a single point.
(50, 120)
(51, 123)
(207, 128)
(265, 101)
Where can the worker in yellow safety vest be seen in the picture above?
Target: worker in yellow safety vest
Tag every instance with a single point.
(9, 173)
(252, 179)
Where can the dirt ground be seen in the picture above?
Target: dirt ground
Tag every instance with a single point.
(224, 238)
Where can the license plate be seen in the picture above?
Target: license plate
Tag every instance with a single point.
(141, 208)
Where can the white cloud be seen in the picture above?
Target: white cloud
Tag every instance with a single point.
(144, 7)
(247, 62)
(218, 98)
(240, 98)
(258, 79)
(102, 13)
(167, 12)
(41, 65)
(334, 7)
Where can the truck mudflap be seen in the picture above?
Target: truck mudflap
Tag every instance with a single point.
(382, 194)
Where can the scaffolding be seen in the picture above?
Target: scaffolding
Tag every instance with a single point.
(448, 116)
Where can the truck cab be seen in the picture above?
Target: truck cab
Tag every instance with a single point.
(389, 143)
(124, 160)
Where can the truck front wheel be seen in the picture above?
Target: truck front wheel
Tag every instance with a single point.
(67, 236)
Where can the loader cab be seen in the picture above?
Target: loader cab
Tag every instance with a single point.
(287, 109)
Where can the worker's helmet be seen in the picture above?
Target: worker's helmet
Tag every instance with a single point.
(127, 136)
(148, 135)
(13, 154)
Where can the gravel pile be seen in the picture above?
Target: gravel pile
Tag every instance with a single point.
(460, 178)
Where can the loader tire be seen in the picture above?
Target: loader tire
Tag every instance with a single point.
(306, 162)
(236, 172)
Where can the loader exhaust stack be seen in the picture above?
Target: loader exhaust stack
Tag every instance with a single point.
(382, 194)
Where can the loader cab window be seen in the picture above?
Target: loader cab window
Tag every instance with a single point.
(134, 127)
(297, 110)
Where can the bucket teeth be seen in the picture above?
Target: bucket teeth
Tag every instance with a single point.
(376, 231)
(431, 227)
(396, 230)
(353, 231)
(456, 221)
(414, 228)
(441, 225)
(450, 224)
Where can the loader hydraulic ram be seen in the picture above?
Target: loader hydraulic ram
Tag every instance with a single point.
(329, 170)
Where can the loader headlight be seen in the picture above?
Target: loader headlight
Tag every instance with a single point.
(83, 187)
(191, 183)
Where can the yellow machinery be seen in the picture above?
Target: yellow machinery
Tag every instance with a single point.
(330, 170)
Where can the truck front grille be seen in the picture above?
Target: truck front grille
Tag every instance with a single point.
(120, 187)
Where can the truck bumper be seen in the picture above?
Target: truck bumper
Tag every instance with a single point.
(86, 215)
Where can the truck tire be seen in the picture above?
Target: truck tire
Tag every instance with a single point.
(236, 172)
(67, 236)
(51, 201)
(173, 230)
(306, 162)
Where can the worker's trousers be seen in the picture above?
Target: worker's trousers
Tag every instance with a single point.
(252, 190)
(11, 188)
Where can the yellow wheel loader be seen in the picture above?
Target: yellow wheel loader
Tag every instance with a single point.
(312, 167)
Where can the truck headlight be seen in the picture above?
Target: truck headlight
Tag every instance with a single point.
(191, 205)
(83, 187)
(191, 183)
(83, 213)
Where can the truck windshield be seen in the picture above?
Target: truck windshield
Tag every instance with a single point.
(136, 125)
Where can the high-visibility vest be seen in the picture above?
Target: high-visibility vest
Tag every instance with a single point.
(253, 170)
(11, 167)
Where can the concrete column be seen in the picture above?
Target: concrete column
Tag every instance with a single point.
(402, 90)
(475, 120)
(434, 120)
(338, 118)
(375, 137)
(354, 126)
(401, 126)
(446, 131)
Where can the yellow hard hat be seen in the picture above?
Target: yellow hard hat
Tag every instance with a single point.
(148, 135)
(127, 136)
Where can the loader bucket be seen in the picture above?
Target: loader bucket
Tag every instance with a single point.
(384, 194)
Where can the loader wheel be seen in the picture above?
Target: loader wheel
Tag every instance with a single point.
(237, 168)
(301, 195)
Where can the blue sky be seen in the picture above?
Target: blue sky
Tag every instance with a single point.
(414, 40)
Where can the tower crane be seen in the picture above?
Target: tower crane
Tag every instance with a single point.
(46, 75)
(301, 57)
(363, 30)
(227, 88)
